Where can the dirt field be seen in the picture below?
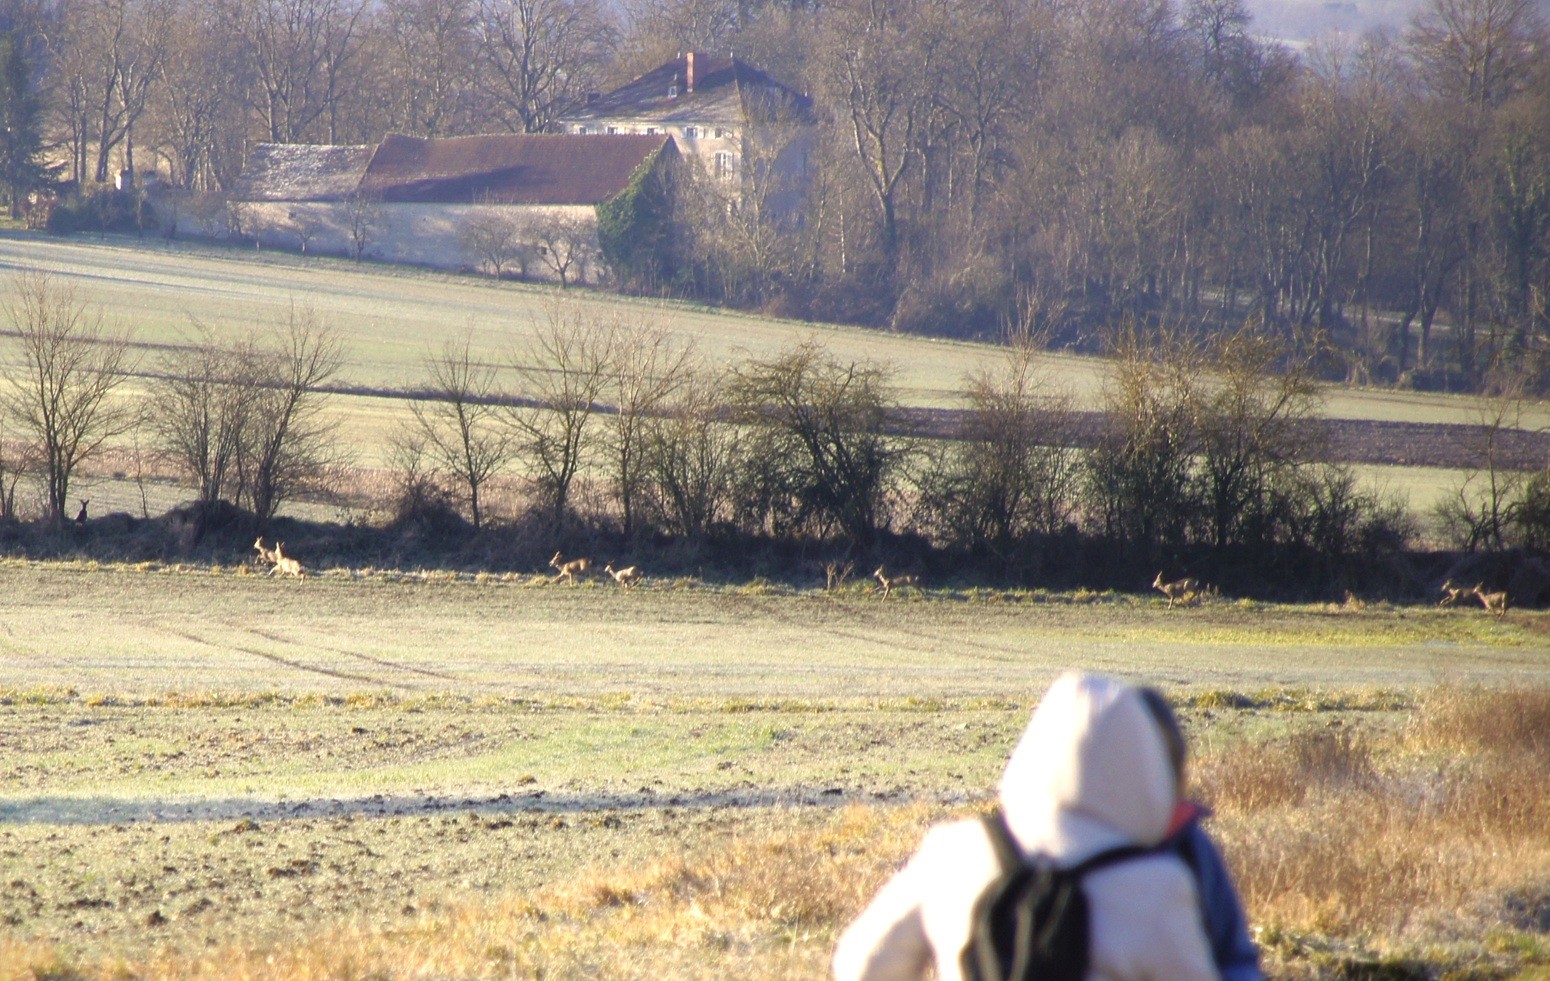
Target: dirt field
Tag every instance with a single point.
(200, 758)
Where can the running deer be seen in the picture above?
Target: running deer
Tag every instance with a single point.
(626, 577)
(569, 570)
(1452, 594)
(285, 564)
(889, 582)
(1494, 603)
(264, 554)
(1181, 590)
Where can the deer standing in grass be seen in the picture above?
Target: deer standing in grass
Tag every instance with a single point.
(626, 577)
(1452, 594)
(1494, 603)
(80, 516)
(570, 570)
(285, 564)
(1185, 590)
(889, 582)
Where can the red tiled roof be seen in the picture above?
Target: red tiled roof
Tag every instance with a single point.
(554, 169)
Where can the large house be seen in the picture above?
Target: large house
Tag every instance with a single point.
(722, 111)
(520, 203)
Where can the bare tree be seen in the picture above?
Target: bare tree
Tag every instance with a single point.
(61, 397)
(1011, 473)
(1477, 51)
(494, 240)
(647, 370)
(199, 410)
(693, 456)
(1256, 428)
(878, 63)
(1482, 511)
(538, 59)
(363, 218)
(200, 117)
(1140, 474)
(302, 51)
(427, 64)
(288, 442)
(461, 426)
(816, 441)
(564, 371)
(565, 244)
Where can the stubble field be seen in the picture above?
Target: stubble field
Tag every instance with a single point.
(209, 772)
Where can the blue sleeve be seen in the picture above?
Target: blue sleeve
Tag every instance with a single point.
(1235, 954)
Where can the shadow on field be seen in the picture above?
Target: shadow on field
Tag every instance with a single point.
(111, 810)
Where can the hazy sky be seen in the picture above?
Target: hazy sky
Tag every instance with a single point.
(1301, 20)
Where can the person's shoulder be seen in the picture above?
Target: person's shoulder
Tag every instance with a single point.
(957, 850)
(1161, 873)
(954, 836)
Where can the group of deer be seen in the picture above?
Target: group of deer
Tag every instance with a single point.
(569, 570)
(1494, 603)
(278, 560)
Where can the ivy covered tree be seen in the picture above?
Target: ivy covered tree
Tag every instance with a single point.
(21, 123)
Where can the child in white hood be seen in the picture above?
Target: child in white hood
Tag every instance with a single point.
(1092, 772)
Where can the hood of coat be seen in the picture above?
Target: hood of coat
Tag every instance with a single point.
(1091, 772)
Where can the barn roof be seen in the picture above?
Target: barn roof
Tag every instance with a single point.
(297, 172)
(725, 90)
(554, 169)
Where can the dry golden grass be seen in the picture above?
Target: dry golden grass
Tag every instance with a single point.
(1411, 851)
(767, 907)
(1425, 845)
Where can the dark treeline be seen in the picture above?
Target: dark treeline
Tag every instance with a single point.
(1385, 200)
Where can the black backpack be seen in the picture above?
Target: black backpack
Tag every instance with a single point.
(1031, 922)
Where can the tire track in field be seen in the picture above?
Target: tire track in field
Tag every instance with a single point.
(287, 662)
(943, 645)
(381, 662)
(940, 645)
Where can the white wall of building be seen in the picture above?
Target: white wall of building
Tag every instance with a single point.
(434, 235)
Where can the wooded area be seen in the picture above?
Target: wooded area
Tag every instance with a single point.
(1384, 201)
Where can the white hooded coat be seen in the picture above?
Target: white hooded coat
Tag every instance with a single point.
(1090, 773)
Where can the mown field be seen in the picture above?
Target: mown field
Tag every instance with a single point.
(369, 773)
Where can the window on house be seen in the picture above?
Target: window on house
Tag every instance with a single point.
(651, 131)
(613, 131)
(720, 133)
(724, 165)
(691, 133)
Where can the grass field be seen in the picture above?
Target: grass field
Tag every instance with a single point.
(392, 317)
(382, 774)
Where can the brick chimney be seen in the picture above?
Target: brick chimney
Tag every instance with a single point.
(689, 74)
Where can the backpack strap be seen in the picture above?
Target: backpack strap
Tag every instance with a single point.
(1114, 856)
(1007, 853)
(1010, 857)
